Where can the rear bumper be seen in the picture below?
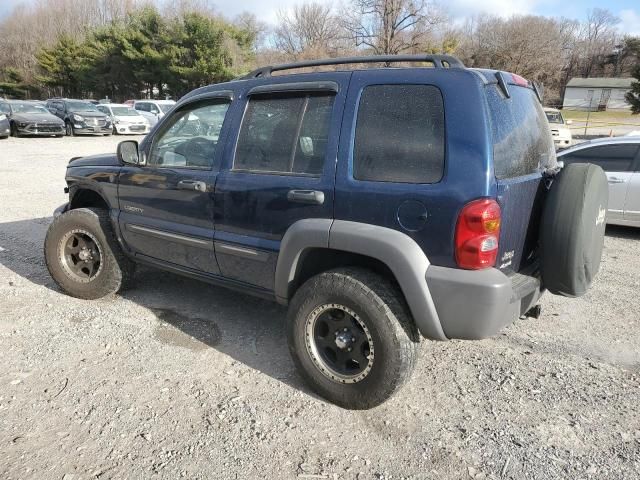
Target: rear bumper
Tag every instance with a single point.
(478, 304)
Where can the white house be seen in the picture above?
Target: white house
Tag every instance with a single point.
(597, 94)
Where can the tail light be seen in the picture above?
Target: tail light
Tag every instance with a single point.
(477, 234)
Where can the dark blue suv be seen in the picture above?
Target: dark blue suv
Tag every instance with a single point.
(382, 205)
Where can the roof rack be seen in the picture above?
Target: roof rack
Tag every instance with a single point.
(439, 61)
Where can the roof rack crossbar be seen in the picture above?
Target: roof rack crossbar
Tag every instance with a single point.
(439, 61)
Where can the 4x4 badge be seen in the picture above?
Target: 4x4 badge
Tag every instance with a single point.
(129, 208)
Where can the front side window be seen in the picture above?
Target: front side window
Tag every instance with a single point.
(285, 134)
(5, 109)
(400, 134)
(612, 158)
(144, 107)
(190, 138)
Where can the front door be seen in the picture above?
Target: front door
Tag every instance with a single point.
(166, 206)
(280, 169)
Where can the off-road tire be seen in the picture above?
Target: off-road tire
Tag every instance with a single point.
(116, 272)
(379, 303)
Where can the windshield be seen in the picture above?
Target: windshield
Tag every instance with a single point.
(24, 107)
(81, 107)
(124, 111)
(165, 107)
(554, 117)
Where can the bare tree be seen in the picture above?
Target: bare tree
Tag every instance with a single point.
(597, 38)
(250, 23)
(391, 26)
(310, 29)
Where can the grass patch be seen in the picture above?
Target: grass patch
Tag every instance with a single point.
(600, 116)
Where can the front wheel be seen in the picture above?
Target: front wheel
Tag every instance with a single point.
(83, 255)
(69, 130)
(352, 337)
(14, 130)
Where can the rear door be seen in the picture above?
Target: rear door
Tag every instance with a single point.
(279, 169)
(617, 160)
(522, 149)
(166, 206)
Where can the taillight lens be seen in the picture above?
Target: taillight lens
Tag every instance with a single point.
(477, 234)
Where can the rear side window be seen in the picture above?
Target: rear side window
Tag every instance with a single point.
(399, 134)
(612, 158)
(522, 142)
(284, 134)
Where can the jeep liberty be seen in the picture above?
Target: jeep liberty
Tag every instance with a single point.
(382, 205)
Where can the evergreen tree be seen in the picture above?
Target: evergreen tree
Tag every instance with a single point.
(633, 95)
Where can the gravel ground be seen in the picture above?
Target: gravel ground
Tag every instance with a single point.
(181, 379)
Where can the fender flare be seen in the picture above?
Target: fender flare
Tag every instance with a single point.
(395, 249)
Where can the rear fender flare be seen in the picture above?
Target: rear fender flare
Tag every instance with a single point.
(399, 252)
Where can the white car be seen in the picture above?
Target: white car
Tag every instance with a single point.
(153, 110)
(126, 120)
(619, 157)
(559, 128)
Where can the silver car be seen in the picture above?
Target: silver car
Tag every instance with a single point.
(620, 159)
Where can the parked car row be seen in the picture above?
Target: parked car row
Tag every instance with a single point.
(63, 116)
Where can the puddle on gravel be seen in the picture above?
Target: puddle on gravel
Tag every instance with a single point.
(187, 332)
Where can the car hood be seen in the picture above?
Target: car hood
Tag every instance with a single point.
(86, 114)
(37, 117)
(101, 160)
(130, 118)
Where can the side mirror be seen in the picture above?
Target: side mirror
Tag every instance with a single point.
(569, 122)
(560, 164)
(128, 153)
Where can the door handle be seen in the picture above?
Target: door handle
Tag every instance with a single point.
(616, 180)
(192, 185)
(310, 197)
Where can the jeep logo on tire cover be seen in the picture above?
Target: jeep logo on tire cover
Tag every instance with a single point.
(602, 214)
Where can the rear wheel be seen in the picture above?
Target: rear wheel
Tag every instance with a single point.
(352, 337)
(83, 255)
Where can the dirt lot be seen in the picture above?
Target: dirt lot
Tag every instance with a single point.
(180, 379)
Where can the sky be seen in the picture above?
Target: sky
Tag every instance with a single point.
(266, 10)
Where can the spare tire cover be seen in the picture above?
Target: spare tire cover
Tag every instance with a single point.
(572, 230)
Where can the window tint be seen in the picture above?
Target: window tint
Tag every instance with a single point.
(142, 106)
(522, 142)
(153, 108)
(189, 140)
(399, 134)
(4, 108)
(284, 134)
(612, 158)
